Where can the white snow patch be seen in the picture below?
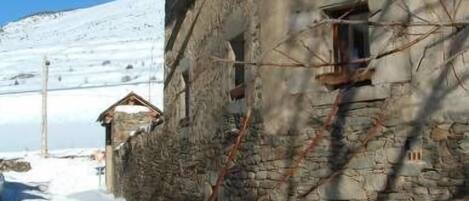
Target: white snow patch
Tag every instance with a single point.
(131, 109)
(63, 179)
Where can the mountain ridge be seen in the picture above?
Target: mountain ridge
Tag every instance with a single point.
(116, 42)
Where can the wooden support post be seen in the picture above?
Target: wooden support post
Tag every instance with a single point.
(109, 169)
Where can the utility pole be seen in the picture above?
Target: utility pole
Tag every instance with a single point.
(45, 75)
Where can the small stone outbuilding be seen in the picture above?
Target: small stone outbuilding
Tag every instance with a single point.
(123, 120)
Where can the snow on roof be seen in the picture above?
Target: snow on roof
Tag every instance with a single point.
(132, 109)
(127, 100)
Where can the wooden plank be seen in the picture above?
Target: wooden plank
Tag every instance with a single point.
(238, 92)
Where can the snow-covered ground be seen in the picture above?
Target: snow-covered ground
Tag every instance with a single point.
(56, 178)
(97, 54)
(113, 43)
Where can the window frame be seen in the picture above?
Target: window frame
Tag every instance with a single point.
(185, 117)
(187, 92)
(344, 73)
(238, 46)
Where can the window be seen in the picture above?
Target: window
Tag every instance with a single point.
(186, 93)
(184, 99)
(237, 44)
(350, 43)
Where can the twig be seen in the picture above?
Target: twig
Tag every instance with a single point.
(446, 10)
(317, 138)
(286, 55)
(319, 135)
(291, 35)
(456, 9)
(289, 65)
(421, 59)
(454, 56)
(196, 75)
(314, 25)
(460, 82)
(312, 52)
(231, 156)
(181, 51)
(397, 23)
(356, 61)
(411, 13)
(372, 133)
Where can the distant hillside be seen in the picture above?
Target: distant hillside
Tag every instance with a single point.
(109, 44)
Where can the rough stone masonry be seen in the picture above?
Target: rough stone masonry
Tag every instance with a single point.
(416, 94)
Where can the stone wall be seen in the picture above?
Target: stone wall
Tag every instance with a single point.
(420, 151)
(15, 165)
(381, 170)
(125, 130)
(133, 165)
(151, 169)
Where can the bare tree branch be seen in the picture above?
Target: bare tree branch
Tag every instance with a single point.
(312, 52)
(371, 134)
(446, 10)
(315, 140)
(183, 48)
(455, 13)
(398, 23)
(286, 55)
(356, 61)
(460, 82)
(231, 156)
(406, 8)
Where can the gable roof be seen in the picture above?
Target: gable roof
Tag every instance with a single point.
(139, 101)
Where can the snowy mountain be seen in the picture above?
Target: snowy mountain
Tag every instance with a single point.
(113, 43)
(97, 55)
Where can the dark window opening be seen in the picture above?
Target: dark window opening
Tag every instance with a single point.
(351, 43)
(237, 44)
(238, 48)
(108, 134)
(186, 77)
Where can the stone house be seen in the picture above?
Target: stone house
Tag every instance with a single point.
(342, 100)
(124, 120)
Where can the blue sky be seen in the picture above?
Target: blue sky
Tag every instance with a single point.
(11, 10)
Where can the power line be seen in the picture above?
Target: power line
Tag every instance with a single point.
(90, 74)
(78, 88)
